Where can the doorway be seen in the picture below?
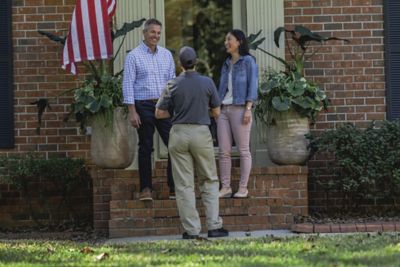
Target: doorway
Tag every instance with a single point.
(201, 24)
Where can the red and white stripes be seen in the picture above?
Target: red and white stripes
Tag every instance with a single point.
(89, 37)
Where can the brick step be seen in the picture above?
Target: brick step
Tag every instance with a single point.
(125, 185)
(120, 209)
(277, 194)
(160, 217)
(172, 225)
(128, 191)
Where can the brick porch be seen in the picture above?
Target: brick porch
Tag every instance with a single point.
(277, 194)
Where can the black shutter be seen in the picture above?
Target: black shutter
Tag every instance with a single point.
(6, 75)
(392, 57)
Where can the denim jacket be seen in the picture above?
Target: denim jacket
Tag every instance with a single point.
(244, 80)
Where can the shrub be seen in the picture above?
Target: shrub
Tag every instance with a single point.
(366, 163)
(54, 182)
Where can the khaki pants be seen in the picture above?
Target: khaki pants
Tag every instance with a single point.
(190, 147)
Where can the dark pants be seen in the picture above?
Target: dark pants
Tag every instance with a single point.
(146, 109)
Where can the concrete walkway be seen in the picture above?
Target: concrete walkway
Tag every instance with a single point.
(260, 233)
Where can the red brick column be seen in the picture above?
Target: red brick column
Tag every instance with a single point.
(102, 179)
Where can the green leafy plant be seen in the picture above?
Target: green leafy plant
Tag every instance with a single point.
(101, 92)
(279, 91)
(364, 165)
(97, 99)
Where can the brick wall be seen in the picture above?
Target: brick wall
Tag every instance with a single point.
(353, 74)
(38, 74)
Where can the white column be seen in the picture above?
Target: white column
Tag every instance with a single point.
(266, 15)
(127, 11)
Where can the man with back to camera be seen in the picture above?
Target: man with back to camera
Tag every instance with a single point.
(148, 67)
(189, 98)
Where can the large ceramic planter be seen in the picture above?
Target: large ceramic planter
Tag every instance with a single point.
(286, 142)
(113, 146)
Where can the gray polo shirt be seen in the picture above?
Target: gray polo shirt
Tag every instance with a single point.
(188, 98)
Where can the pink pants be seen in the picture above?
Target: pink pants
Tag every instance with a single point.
(230, 123)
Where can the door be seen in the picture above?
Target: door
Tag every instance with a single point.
(203, 24)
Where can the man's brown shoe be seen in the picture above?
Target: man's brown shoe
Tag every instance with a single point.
(145, 195)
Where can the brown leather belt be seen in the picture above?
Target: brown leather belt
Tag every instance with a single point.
(149, 100)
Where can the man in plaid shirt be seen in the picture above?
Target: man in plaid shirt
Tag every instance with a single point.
(148, 67)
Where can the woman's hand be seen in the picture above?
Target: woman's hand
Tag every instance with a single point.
(247, 116)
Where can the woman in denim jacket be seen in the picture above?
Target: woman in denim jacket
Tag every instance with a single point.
(238, 92)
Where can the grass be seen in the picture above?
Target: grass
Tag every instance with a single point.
(343, 250)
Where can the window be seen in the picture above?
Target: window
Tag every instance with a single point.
(6, 74)
(392, 58)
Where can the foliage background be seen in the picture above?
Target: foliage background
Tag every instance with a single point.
(203, 25)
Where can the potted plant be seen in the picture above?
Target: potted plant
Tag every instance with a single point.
(98, 103)
(287, 101)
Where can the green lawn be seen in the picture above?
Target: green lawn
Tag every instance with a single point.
(348, 250)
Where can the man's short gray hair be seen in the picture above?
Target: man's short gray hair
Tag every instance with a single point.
(151, 22)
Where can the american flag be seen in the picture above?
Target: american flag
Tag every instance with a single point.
(89, 35)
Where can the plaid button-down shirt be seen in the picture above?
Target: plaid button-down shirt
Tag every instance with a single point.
(146, 73)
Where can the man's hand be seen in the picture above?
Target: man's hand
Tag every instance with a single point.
(215, 112)
(134, 117)
(162, 114)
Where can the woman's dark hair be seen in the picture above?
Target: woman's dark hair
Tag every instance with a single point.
(241, 37)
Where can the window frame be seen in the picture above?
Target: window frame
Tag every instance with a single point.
(392, 58)
(7, 139)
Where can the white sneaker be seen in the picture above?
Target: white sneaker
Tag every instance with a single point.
(241, 193)
(225, 192)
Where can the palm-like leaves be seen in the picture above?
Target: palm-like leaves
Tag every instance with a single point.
(102, 91)
(53, 37)
(301, 37)
(127, 27)
(281, 91)
(254, 45)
